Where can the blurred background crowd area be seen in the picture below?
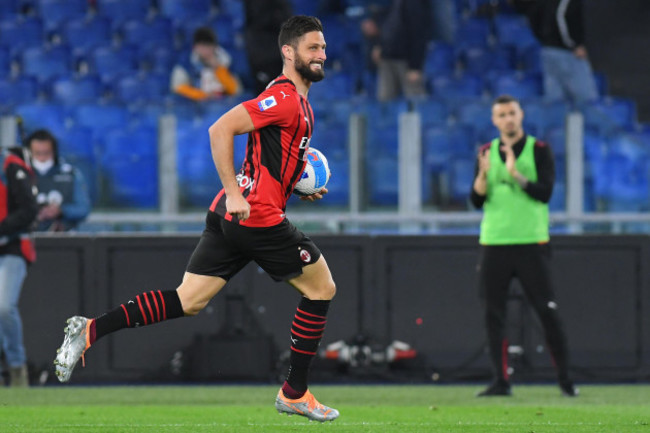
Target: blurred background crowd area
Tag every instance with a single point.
(97, 74)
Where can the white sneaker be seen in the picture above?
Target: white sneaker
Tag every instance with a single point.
(75, 344)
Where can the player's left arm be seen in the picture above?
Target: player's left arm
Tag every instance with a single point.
(542, 189)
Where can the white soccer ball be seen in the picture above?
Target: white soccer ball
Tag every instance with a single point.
(315, 175)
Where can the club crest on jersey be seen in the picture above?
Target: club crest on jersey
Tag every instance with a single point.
(267, 103)
(305, 256)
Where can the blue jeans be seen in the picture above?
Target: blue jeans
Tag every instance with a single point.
(567, 77)
(13, 270)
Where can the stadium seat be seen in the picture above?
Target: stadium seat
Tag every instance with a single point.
(119, 11)
(450, 87)
(36, 116)
(556, 138)
(19, 34)
(305, 7)
(439, 59)
(197, 176)
(477, 114)
(479, 60)
(101, 119)
(611, 114)
(514, 31)
(5, 62)
(432, 112)
(8, 8)
(461, 179)
(20, 90)
(45, 64)
(110, 62)
(337, 86)
(141, 88)
(558, 199)
(148, 34)
(382, 141)
(55, 12)
(130, 165)
(73, 91)
(82, 34)
(338, 185)
(521, 86)
(473, 32)
(382, 181)
(183, 10)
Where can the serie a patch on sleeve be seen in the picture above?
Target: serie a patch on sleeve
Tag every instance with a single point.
(267, 103)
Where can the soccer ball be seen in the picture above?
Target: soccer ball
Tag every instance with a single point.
(315, 175)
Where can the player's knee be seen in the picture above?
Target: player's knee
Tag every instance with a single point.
(192, 308)
(328, 291)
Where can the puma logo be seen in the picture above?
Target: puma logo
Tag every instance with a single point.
(284, 95)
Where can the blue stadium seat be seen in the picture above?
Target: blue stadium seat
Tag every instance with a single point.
(55, 12)
(514, 30)
(452, 87)
(556, 138)
(36, 116)
(47, 63)
(20, 90)
(558, 199)
(234, 9)
(305, 7)
(440, 59)
(76, 141)
(611, 114)
(338, 185)
(183, 10)
(101, 118)
(623, 184)
(331, 138)
(440, 145)
(141, 88)
(477, 114)
(383, 114)
(148, 34)
(5, 62)
(130, 165)
(197, 176)
(20, 34)
(479, 60)
(521, 86)
(8, 8)
(119, 11)
(73, 91)
(82, 34)
(461, 179)
(382, 142)
(337, 85)
(473, 31)
(110, 62)
(382, 181)
(432, 112)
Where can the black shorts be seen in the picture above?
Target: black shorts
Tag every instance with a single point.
(226, 247)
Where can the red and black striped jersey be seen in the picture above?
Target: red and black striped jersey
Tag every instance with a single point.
(275, 153)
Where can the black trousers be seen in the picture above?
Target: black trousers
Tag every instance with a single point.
(530, 264)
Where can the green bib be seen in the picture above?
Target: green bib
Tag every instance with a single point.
(510, 216)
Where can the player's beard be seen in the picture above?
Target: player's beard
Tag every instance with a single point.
(307, 73)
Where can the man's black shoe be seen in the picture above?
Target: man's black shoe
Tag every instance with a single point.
(498, 388)
(569, 389)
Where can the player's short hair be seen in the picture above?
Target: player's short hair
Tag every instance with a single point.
(505, 99)
(295, 27)
(204, 35)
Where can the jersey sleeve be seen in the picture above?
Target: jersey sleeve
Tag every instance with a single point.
(272, 107)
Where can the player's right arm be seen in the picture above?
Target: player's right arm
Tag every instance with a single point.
(235, 122)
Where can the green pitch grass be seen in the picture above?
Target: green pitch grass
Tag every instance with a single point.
(403, 409)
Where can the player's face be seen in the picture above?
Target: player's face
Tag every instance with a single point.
(310, 56)
(508, 118)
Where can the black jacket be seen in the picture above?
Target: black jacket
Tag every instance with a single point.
(18, 208)
(406, 32)
(555, 23)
